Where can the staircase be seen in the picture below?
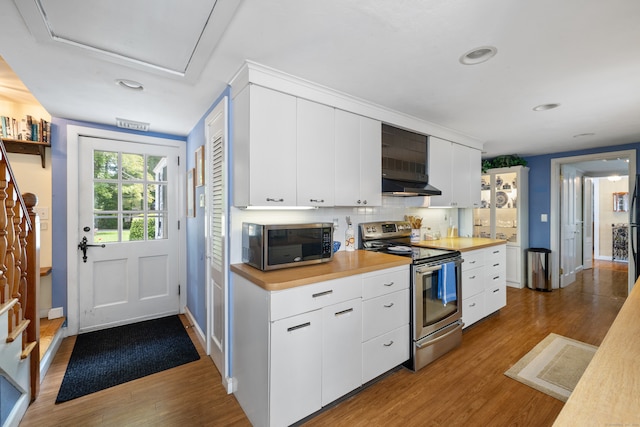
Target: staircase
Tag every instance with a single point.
(19, 282)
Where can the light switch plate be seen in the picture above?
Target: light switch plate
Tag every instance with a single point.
(43, 212)
(543, 218)
(202, 200)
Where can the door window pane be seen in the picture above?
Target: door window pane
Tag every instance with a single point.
(132, 197)
(105, 196)
(105, 228)
(105, 165)
(132, 166)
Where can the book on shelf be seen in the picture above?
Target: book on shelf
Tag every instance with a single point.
(25, 129)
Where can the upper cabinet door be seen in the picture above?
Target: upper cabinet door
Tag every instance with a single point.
(315, 154)
(264, 161)
(358, 160)
(454, 169)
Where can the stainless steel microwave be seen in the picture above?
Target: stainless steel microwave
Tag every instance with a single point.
(269, 247)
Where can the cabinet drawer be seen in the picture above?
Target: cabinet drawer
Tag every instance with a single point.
(495, 279)
(472, 309)
(384, 353)
(384, 313)
(298, 300)
(495, 253)
(495, 298)
(496, 268)
(472, 259)
(473, 282)
(380, 283)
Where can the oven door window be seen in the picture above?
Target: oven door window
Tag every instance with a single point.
(429, 291)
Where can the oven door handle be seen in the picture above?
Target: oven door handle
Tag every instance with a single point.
(428, 342)
(424, 270)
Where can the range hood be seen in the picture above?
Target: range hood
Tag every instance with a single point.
(404, 164)
(393, 187)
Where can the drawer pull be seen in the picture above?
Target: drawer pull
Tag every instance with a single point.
(472, 277)
(389, 284)
(388, 305)
(496, 290)
(340, 313)
(495, 265)
(496, 252)
(496, 278)
(472, 262)
(316, 200)
(321, 294)
(269, 199)
(473, 305)
(388, 345)
(293, 328)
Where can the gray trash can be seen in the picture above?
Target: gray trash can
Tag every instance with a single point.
(538, 269)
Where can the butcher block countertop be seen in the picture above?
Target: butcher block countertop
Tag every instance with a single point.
(343, 264)
(607, 394)
(461, 244)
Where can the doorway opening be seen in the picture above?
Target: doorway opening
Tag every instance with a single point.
(580, 231)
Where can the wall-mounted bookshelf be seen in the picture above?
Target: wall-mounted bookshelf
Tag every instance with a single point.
(21, 146)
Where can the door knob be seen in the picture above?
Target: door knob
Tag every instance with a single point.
(83, 245)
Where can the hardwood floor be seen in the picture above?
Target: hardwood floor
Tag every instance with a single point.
(466, 387)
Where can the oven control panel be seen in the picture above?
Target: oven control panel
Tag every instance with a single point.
(385, 229)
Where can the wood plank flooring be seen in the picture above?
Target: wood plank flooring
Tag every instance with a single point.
(466, 387)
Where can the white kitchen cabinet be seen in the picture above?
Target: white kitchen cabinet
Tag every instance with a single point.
(295, 368)
(385, 321)
(504, 214)
(264, 156)
(454, 169)
(341, 349)
(315, 154)
(297, 349)
(483, 283)
(358, 160)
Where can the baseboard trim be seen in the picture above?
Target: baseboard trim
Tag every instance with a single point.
(196, 327)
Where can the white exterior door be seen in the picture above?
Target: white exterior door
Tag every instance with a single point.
(128, 202)
(568, 226)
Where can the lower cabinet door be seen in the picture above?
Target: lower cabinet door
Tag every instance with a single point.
(473, 309)
(296, 368)
(384, 352)
(341, 349)
(495, 298)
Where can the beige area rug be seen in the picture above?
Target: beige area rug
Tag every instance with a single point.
(554, 366)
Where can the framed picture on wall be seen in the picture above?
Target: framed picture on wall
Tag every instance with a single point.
(199, 166)
(191, 194)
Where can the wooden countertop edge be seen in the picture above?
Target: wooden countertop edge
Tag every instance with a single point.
(462, 244)
(607, 393)
(343, 265)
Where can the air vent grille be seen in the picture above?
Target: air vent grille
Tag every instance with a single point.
(130, 124)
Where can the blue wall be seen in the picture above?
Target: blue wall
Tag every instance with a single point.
(196, 249)
(540, 189)
(59, 200)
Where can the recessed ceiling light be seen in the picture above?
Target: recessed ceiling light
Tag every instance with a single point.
(545, 107)
(580, 135)
(478, 55)
(129, 84)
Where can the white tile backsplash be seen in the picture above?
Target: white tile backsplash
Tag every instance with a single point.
(392, 209)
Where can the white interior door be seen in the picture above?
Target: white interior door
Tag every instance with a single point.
(128, 202)
(216, 216)
(568, 227)
(587, 232)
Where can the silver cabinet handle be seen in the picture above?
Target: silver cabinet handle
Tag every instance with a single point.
(293, 328)
(321, 294)
(343, 312)
(472, 277)
(496, 252)
(364, 202)
(388, 305)
(496, 278)
(495, 265)
(316, 200)
(359, 202)
(269, 199)
(389, 284)
(388, 345)
(473, 305)
(496, 290)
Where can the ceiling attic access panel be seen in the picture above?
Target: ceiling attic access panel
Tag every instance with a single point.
(166, 37)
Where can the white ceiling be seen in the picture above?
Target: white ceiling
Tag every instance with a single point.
(582, 54)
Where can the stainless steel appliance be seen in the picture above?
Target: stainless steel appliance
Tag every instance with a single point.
(405, 164)
(273, 246)
(436, 316)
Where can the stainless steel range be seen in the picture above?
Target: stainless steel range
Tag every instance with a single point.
(436, 313)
